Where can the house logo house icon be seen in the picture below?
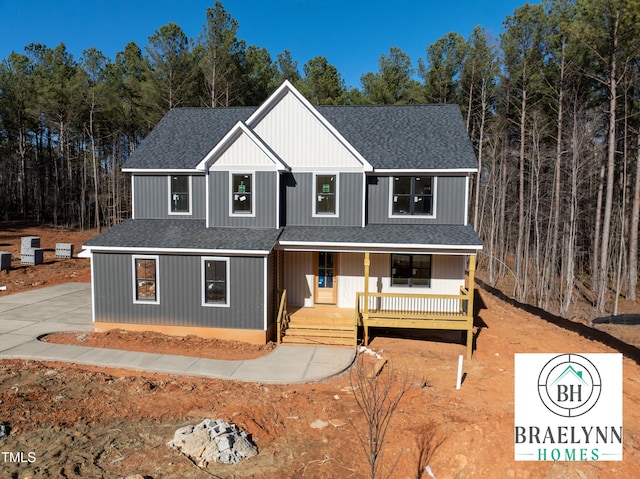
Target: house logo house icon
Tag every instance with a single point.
(569, 385)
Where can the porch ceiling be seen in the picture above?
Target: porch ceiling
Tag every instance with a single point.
(450, 239)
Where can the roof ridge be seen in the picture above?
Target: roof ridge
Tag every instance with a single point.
(209, 108)
(393, 105)
(253, 107)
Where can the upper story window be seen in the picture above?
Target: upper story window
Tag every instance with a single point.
(242, 194)
(179, 194)
(325, 195)
(412, 270)
(145, 279)
(412, 195)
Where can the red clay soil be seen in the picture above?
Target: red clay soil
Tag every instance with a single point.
(81, 421)
(54, 270)
(161, 343)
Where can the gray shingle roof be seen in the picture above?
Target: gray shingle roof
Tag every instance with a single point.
(422, 236)
(184, 234)
(405, 136)
(387, 136)
(184, 136)
(193, 234)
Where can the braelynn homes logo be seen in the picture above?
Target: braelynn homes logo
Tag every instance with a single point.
(569, 385)
(568, 407)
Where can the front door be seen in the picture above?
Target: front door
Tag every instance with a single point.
(326, 277)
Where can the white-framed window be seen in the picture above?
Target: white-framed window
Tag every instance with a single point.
(411, 270)
(180, 194)
(242, 194)
(413, 196)
(215, 281)
(146, 284)
(325, 194)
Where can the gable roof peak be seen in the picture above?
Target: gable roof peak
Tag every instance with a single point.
(239, 129)
(287, 88)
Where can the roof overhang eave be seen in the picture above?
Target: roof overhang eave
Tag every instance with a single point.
(379, 247)
(181, 251)
(426, 171)
(162, 171)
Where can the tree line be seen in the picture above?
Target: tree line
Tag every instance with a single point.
(552, 107)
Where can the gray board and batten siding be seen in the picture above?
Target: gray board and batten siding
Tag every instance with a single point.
(298, 188)
(449, 206)
(180, 291)
(151, 197)
(265, 194)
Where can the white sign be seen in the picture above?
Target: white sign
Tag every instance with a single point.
(568, 407)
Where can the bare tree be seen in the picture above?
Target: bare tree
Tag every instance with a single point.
(377, 394)
(635, 221)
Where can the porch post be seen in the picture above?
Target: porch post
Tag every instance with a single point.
(365, 309)
(470, 292)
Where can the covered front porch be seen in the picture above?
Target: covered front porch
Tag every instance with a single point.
(418, 311)
(391, 275)
(366, 294)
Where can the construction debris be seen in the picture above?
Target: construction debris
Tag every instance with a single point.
(319, 424)
(213, 441)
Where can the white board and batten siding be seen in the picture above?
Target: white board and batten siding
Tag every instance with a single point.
(302, 141)
(299, 267)
(243, 154)
(447, 276)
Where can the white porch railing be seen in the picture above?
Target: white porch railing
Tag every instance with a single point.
(403, 304)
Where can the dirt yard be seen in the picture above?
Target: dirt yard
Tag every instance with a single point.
(82, 422)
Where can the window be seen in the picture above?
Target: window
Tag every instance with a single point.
(241, 195)
(412, 195)
(145, 275)
(325, 194)
(326, 270)
(179, 197)
(215, 275)
(411, 270)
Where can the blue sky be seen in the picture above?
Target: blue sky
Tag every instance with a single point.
(351, 34)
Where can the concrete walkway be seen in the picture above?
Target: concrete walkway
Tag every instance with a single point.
(67, 308)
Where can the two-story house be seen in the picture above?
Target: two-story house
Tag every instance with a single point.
(362, 208)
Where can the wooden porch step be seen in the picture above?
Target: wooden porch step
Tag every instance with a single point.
(318, 333)
(321, 333)
(319, 320)
(319, 341)
(320, 325)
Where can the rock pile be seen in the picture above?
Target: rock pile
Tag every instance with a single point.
(213, 441)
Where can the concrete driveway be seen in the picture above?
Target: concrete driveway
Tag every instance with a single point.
(24, 317)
